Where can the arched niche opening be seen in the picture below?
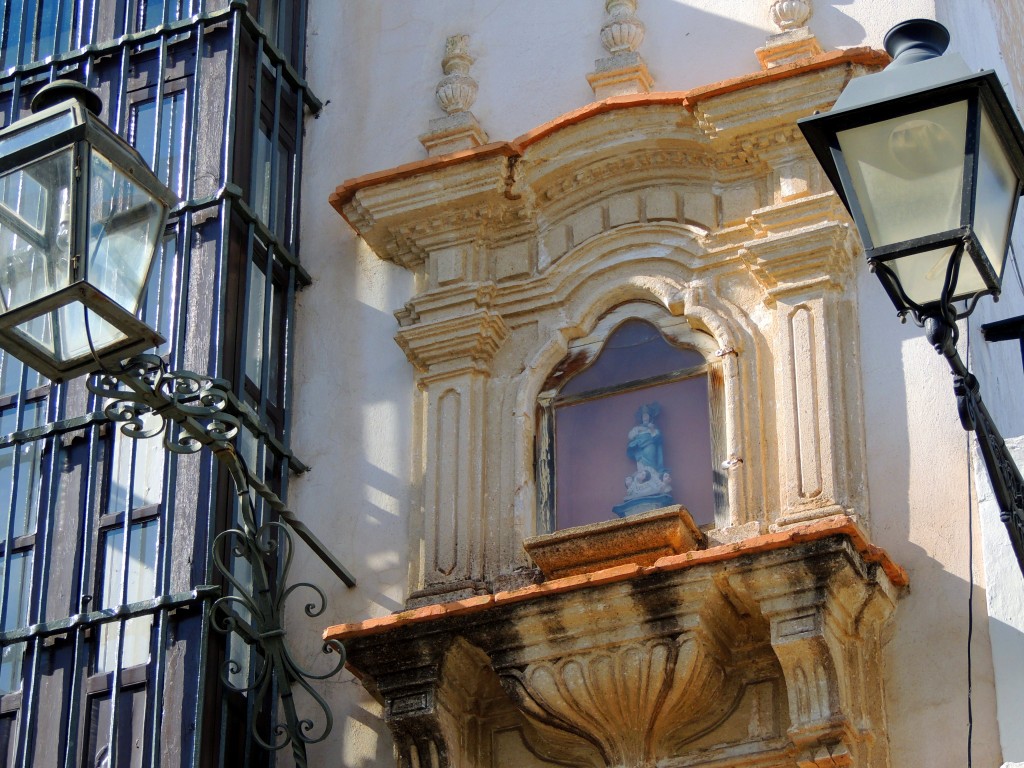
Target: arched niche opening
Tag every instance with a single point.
(631, 420)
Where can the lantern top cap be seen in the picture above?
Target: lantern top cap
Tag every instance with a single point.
(916, 40)
(60, 91)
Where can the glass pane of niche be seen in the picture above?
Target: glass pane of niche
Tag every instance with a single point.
(632, 432)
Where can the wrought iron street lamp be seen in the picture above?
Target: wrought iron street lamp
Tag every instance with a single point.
(928, 158)
(81, 216)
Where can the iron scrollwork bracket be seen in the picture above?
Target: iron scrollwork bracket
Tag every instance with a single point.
(145, 398)
(1005, 477)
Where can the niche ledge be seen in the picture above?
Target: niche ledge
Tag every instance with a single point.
(639, 539)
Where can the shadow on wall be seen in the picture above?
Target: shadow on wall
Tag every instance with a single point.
(926, 680)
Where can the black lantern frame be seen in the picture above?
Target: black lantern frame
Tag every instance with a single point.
(72, 124)
(984, 96)
(921, 79)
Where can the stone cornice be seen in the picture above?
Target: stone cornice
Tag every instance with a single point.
(709, 135)
(449, 347)
(819, 530)
(862, 57)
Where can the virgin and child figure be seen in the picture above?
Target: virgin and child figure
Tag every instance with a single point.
(650, 485)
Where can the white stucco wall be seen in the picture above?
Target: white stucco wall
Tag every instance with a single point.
(375, 65)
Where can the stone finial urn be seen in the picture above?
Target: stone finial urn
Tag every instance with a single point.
(622, 30)
(457, 90)
(790, 14)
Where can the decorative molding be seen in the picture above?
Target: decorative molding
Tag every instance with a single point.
(617, 697)
(795, 41)
(456, 92)
(447, 348)
(702, 209)
(788, 15)
(623, 71)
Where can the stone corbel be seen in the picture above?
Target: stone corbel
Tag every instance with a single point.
(431, 707)
(633, 700)
(414, 715)
(826, 626)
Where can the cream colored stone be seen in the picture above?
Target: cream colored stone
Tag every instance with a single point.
(768, 660)
(455, 93)
(623, 71)
(788, 47)
(766, 281)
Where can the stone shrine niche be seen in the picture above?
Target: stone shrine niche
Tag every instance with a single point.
(693, 229)
(630, 421)
(699, 214)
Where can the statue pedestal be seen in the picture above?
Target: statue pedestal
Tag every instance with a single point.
(639, 540)
(643, 504)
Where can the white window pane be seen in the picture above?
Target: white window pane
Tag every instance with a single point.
(141, 585)
(254, 326)
(16, 603)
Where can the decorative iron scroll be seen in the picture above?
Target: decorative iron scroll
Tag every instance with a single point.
(143, 388)
(145, 398)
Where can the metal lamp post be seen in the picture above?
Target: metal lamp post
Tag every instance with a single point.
(928, 158)
(81, 215)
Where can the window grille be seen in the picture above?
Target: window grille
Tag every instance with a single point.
(116, 637)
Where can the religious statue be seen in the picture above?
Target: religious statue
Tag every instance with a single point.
(650, 485)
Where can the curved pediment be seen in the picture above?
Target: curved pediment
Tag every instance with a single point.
(687, 157)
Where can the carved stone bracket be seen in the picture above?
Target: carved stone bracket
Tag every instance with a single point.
(770, 655)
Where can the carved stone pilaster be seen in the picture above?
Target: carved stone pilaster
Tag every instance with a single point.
(623, 71)
(455, 92)
(819, 445)
(795, 41)
(452, 360)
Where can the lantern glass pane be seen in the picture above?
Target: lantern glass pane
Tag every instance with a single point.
(923, 275)
(125, 221)
(36, 132)
(66, 334)
(996, 196)
(35, 242)
(908, 172)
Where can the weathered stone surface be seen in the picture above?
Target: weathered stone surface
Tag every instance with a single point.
(766, 659)
(640, 539)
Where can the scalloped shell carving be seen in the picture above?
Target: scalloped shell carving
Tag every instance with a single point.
(457, 90)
